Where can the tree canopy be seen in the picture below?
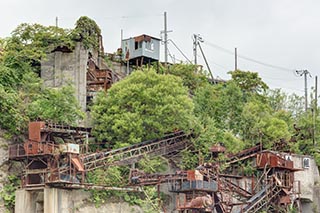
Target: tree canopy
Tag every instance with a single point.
(87, 31)
(143, 106)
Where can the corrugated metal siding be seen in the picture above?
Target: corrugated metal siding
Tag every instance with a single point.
(145, 49)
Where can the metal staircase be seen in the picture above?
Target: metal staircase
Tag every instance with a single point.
(262, 198)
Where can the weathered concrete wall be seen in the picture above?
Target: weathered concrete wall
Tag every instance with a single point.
(29, 201)
(120, 69)
(60, 68)
(110, 208)
(309, 183)
(53, 200)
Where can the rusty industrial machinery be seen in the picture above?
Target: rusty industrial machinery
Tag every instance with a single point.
(251, 181)
(59, 156)
(99, 77)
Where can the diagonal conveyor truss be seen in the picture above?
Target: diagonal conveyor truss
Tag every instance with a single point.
(166, 146)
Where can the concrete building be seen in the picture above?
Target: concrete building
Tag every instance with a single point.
(309, 180)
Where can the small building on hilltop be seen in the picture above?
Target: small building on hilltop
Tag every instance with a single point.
(141, 50)
(309, 180)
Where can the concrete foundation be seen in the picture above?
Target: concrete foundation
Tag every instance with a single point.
(29, 201)
(49, 200)
(54, 200)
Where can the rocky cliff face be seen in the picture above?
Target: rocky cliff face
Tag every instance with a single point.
(4, 166)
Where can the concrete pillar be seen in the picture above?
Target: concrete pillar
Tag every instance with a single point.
(28, 201)
(57, 201)
(57, 78)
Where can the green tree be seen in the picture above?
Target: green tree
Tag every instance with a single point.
(11, 116)
(190, 75)
(249, 81)
(7, 193)
(260, 125)
(87, 31)
(143, 106)
(277, 99)
(30, 43)
(57, 105)
(223, 103)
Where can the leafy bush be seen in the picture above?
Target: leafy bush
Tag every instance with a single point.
(7, 193)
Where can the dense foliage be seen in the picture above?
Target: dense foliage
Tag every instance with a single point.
(239, 113)
(7, 193)
(144, 106)
(147, 104)
(22, 96)
(87, 31)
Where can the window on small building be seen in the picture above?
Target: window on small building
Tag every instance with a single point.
(148, 45)
(306, 162)
(137, 45)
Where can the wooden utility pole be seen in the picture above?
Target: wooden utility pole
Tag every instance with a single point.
(305, 73)
(121, 37)
(316, 93)
(56, 21)
(195, 44)
(165, 39)
(235, 59)
(315, 111)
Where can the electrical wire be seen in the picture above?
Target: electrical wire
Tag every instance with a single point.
(281, 87)
(136, 16)
(279, 79)
(249, 59)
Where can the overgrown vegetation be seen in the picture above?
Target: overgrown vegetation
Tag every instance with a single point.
(7, 193)
(22, 96)
(144, 106)
(87, 31)
(147, 104)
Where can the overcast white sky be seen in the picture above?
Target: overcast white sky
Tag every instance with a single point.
(284, 33)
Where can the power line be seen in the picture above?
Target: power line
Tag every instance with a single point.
(277, 79)
(288, 88)
(248, 59)
(265, 64)
(136, 16)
